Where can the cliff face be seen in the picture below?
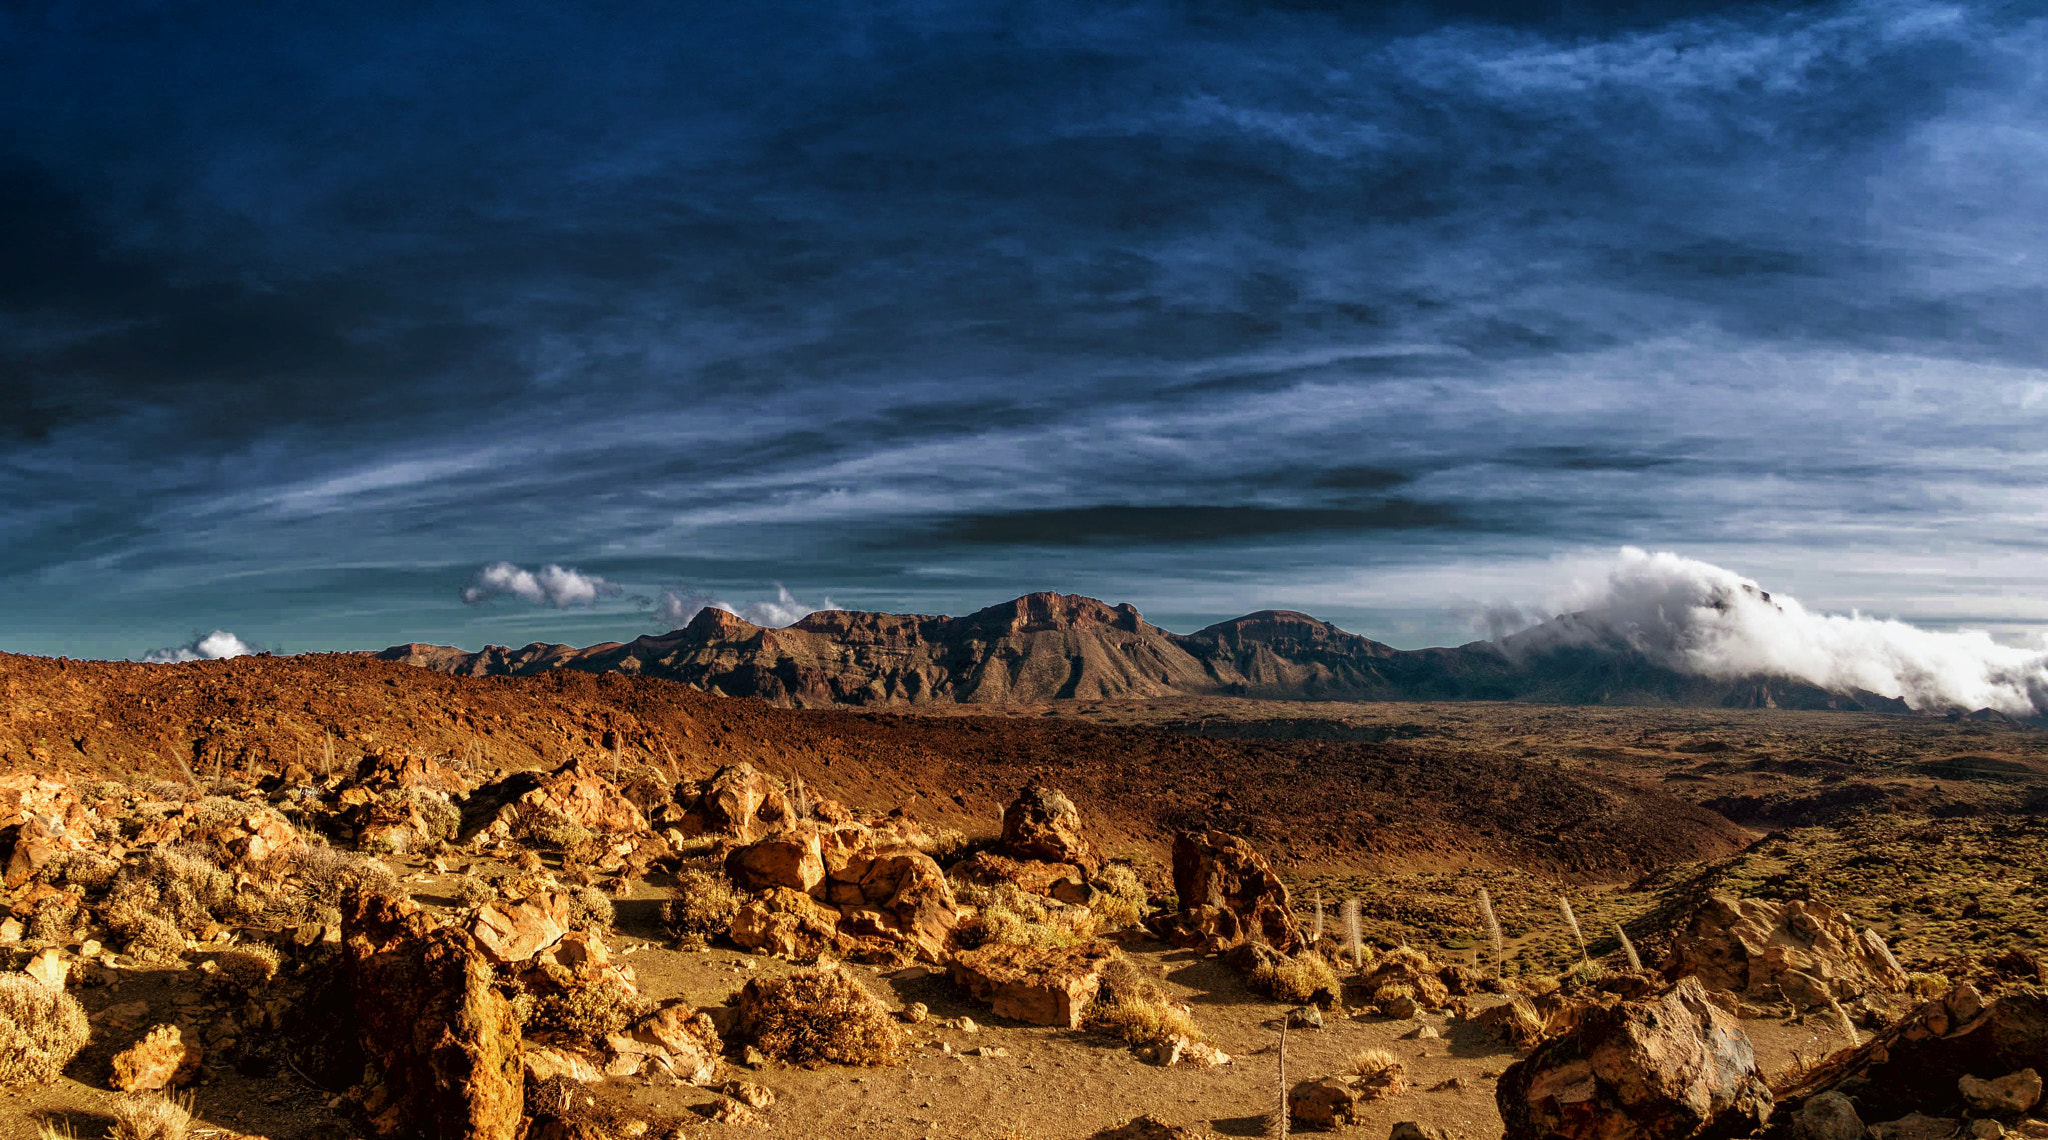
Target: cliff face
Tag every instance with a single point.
(1045, 647)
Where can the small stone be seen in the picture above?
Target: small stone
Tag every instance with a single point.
(991, 1051)
(1414, 1130)
(1828, 1116)
(10, 931)
(916, 1012)
(1305, 1017)
(965, 1025)
(1399, 1008)
(753, 1058)
(2009, 1094)
(1986, 1129)
(49, 968)
(748, 1093)
(90, 948)
(1424, 1033)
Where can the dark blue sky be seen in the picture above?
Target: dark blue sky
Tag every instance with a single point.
(309, 312)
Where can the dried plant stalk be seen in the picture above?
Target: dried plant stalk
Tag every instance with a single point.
(1572, 920)
(1280, 1118)
(1493, 934)
(1353, 944)
(1316, 938)
(1843, 1023)
(1628, 948)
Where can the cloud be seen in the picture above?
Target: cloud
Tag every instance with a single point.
(1699, 618)
(551, 585)
(674, 606)
(215, 646)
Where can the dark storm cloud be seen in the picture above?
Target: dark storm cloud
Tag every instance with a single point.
(846, 294)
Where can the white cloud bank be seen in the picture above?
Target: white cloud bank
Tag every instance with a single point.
(1699, 618)
(551, 585)
(676, 605)
(215, 646)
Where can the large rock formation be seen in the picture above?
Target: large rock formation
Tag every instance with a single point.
(1044, 825)
(430, 1018)
(1229, 895)
(1047, 646)
(1671, 1068)
(1921, 1063)
(1040, 985)
(1806, 950)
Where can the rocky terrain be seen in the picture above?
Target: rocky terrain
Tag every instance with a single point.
(1049, 647)
(333, 896)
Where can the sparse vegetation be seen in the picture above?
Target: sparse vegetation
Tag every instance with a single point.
(152, 1116)
(1133, 1009)
(1008, 914)
(704, 904)
(41, 1029)
(1305, 977)
(1119, 899)
(818, 1017)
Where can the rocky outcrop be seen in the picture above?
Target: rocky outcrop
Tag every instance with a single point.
(1921, 1063)
(1043, 825)
(1807, 950)
(1039, 985)
(787, 924)
(865, 891)
(430, 1018)
(1670, 1068)
(1229, 895)
(162, 1059)
(738, 802)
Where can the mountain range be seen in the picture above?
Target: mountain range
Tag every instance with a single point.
(1047, 646)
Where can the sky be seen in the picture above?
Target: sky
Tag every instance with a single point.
(336, 326)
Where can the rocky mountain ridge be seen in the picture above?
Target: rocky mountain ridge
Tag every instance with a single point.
(1047, 647)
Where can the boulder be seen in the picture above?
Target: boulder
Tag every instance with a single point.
(511, 932)
(1039, 985)
(1409, 970)
(545, 1062)
(1919, 1063)
(1829, 1116)
(1042, 824)
(1514, 1023)
(1327, 1102)
(1806, 949)
(430, 1018)
(793, 858)
(902, 896)
(788, 924)
(575, 794)
(2009, 1095)
(1149, 1127)
(161, 1060)
(1670, 1068)
(737, 802)
(1917, 1126)
(1229, 895)
(1063, 881)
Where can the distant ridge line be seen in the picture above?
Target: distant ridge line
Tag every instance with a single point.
(1049, 646)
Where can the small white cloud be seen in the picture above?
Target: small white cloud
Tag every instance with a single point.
(551, 585)
(215, 646)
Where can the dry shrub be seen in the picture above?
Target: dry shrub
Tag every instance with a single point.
(41, 1029)
(87, 872)
(1008, 914)
(473, 891)
(557, 832)
(1131, 1007)
(583, 1015)
(818, 1017)
(55, 924)
(152, 1116)
(329, 873)
(1927, 986)
(1303, 978)
(589, 909)
(1142, 1020)
(705, 903)
(248, 967)
(1119, 899)
(1379, 1075)
(165, 893)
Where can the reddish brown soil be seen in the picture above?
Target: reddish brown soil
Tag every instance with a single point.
(1432, 800)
